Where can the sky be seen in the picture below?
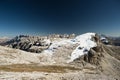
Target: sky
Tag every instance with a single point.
(43, 17)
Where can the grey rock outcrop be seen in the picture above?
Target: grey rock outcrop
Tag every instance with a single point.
(29, 43)
(33, 43)
(102, 58)
(95, 54)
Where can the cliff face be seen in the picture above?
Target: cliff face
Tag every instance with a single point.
(104, 58)
(95, 54)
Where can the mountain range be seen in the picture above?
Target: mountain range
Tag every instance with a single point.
(87, 56)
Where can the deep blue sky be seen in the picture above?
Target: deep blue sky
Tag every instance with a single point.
(39, 17)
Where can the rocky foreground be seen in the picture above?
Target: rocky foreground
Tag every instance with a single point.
(84, 57)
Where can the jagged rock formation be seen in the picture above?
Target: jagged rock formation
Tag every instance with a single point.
(29, 43)
(105, 59)
(95, 62)
(94, 54)
(33, 43)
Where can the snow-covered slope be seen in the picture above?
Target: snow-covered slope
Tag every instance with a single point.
(56, 44)
(55, 51)
(85, 43)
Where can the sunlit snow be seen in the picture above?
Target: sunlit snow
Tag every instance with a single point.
(85, 43)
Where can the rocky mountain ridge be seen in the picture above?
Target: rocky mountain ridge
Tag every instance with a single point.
(34, 43)
(66, 59)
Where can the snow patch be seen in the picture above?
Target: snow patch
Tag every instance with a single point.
(55, 45)
(104, 40)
